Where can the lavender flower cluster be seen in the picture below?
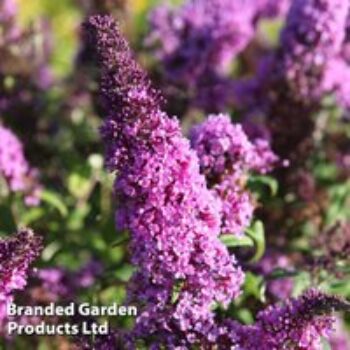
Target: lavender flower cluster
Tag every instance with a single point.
(15, 170)
(165, 203)
(230, 230)
(16, 255)
(226, 156)
(299, 323)
(173, 215)
(201, 35)
(292, 81)
(314, 33)
(198, 41)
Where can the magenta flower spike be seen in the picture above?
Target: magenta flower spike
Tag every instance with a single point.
(183, 269)
(17, 253)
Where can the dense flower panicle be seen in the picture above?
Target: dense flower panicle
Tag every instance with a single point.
(310, 41)
(16, 255)
(313, 36)
(15, 169)
(224, 148)
(163, 201)
(299, 323)
(201, 34)
(226, 155)
(291, 82)
(196, 42)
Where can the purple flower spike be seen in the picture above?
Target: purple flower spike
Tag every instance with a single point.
(201, 34)
(292, 82)
(182, 267)
(15, 170)
(313, 36)
(297, 324)
(196, 44)
(226, 155)
(300, 322)
(16, 255)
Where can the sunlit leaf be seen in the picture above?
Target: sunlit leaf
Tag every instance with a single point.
(257, 233)
(55, 200)
(231, 240)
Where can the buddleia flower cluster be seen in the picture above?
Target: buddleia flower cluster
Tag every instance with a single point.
(297, 324)
(15, 170)
(17, 253)
(288, 92)
(182, 268)
(197, 42)
(226, 157)
(292, 81)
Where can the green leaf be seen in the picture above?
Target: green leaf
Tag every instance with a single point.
(325, 344)
(325, 171)
(31, 215)
(340, 201)
(176, 291)
(7, 222)
(54, 200)
(245, 316)
(254, 286)
(123, 238)
(257, 181)
(233, 241)
(340, 287)
(271, 30)
(278, 273)
(257, 233)
(50, 250)
(125, 272)
(79, 185)
(77, 216)
(302, 282)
